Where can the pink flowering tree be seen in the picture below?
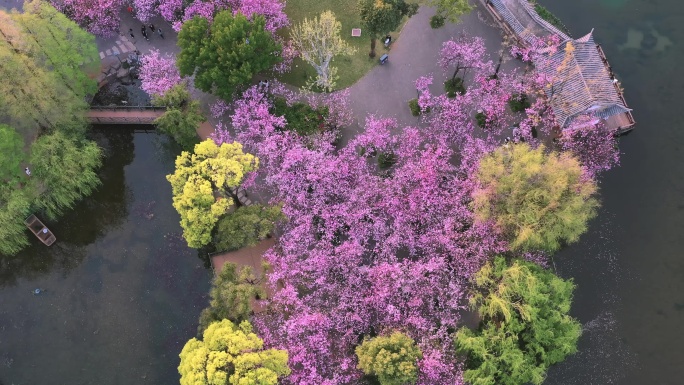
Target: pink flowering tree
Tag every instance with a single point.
(158, 73)
(595, 146)
(99, 17)
(272, 10)
(463, 54)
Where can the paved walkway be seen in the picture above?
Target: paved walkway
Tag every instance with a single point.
(386, 89)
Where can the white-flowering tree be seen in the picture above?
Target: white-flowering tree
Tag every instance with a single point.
(318, 42)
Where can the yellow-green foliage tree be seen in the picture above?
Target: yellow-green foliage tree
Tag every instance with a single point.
(201, 186)
(318, 41)
(43, 79)
(392, 359)
(525, 324)
(538, 200)
(231, 354)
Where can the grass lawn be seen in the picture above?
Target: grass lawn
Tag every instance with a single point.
(349, 68)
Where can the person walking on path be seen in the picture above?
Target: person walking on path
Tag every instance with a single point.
(152, 28)
(160, 32)
(27, 171)
(130, 31)
(144, 33)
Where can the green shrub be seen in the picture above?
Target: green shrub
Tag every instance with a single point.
(182, 117)
(518, 102)
(454, 86)
(232, 292)
(415, 108)
(437, 21)
(481, 119)
(246, 226)
(386, 160)
(550, 17)
(301, 118)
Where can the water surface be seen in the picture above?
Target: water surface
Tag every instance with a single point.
(121, 291)
(629, 266)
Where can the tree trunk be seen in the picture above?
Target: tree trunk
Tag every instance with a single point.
(372, 51)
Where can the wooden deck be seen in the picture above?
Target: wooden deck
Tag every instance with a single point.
(248, 256)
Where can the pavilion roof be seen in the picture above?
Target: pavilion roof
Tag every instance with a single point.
(579, 81)
(525, 22)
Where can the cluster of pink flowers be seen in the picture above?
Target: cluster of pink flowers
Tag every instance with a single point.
(158, 73)
(99, 17)
(364, 251)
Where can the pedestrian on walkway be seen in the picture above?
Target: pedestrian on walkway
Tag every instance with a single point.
(142, 29)
(130, 31)
(160, 32)
(27, 171)
(152, 27)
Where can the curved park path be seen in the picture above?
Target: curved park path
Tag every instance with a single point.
(386, 89)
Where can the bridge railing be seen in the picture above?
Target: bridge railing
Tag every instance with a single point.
(127, 108)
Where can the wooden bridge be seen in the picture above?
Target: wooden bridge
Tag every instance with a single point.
(124, 114)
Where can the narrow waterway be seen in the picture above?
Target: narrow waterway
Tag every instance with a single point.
(121, 292)
(629, 267)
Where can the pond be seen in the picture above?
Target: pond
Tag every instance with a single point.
(121, 292)
(629, 267)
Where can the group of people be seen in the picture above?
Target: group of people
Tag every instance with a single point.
(143, 30)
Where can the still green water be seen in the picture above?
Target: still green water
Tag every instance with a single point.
(629, 267)
(121, 291)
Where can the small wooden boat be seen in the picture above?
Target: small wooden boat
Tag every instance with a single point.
(40, 230)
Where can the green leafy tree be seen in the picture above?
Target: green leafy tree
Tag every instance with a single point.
(246, 226)
(537, 200)
(182, 117)
(451, 10)
(11, 148)
(227, 53)
(43, 77)
(380, 17)
(392, 359)
(231, 354)
(65, 170)
(202, 186)
(525, 324)
(232, 293)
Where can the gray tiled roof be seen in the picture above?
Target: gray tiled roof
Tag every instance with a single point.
(524, 21)
(579, 81)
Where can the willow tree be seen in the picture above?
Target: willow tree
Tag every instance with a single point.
(318, 41)
(202, 185)
(231, 354)
(44, 79)
(11, 148)
(537, 200)
(64, 168)
(525, 324)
